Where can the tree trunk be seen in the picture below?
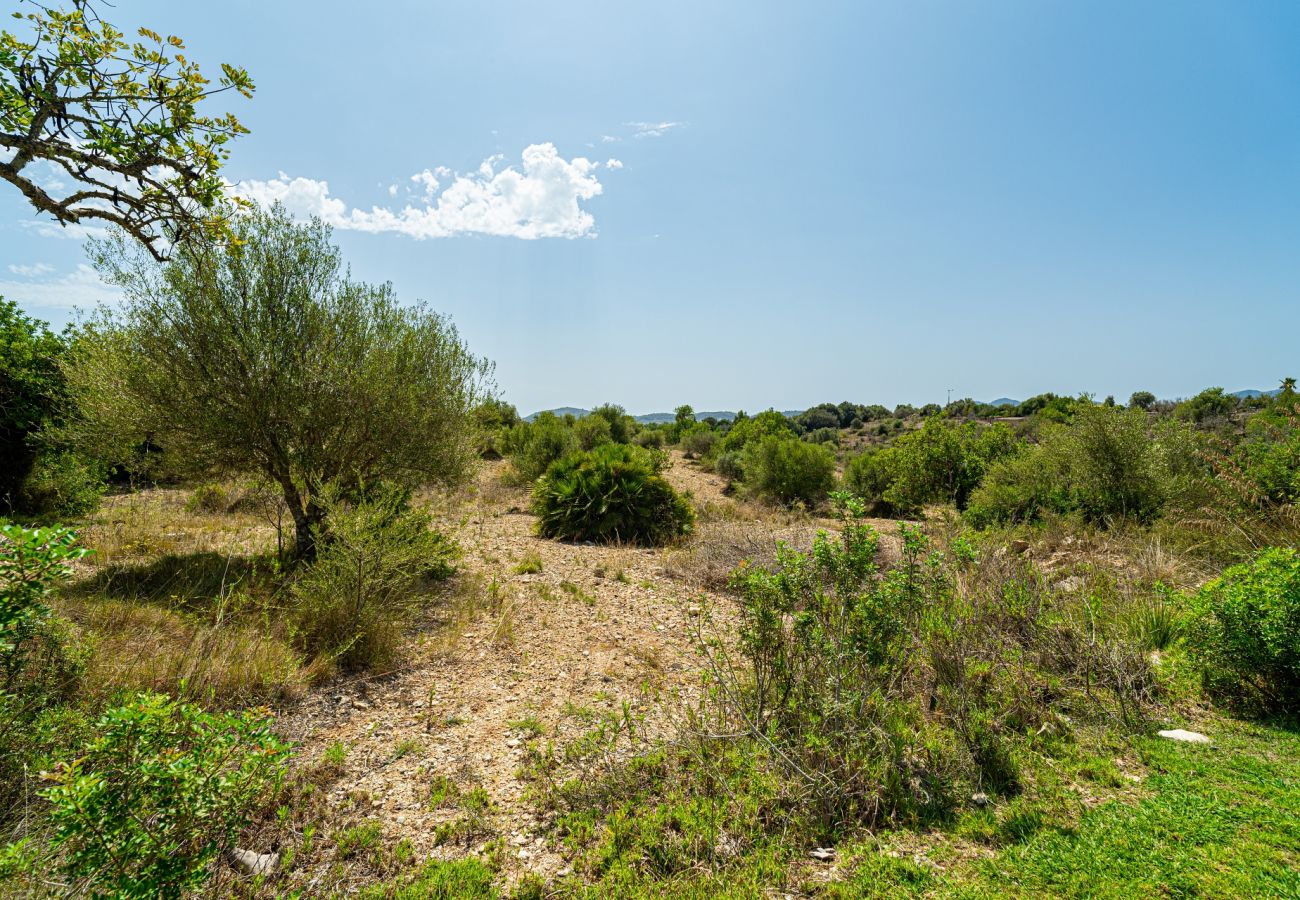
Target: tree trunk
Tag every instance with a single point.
(307, 517)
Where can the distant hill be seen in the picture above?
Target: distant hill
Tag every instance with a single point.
(560, 411)
(1005, 401)
(1251, 394)
(646, 419)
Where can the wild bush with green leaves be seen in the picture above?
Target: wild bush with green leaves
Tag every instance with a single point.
(1106, 465)
(748, 429)
(32, 561)
(42, 660)
(162, 788)
(533, 446)
(1245, 632)
(352, 603)
(613, 493)
(856, 696)
(943, 461)
(698, 440)
(787, 470)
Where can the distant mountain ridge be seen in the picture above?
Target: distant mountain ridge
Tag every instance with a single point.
(658, 418)
(726, 415)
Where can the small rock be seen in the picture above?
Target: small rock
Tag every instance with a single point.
(252, 863)
(825, 854)
(980, 799)
(1019, 546)
(1187, 737)
(693, 610)
(360, 704)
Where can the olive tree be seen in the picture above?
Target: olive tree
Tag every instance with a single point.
(118, 122)
(263, 353)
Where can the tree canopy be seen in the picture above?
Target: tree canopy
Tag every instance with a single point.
(264, 354)
(120, 119)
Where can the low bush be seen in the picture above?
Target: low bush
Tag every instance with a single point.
(941, 462)
(211, 498)
(1245, 632)
(750, 429)
(1106, 465)
(533, 446)
(788, 470)
(730, 466)
(352, 603)
(621, 425)
(592, 431)
(698, 441)
(61, 484)
(611, 493)
(650, 438)
(856, 696)
(162, 788)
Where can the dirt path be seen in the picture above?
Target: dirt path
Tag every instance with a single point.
(595, 628)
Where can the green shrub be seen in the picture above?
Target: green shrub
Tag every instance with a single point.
(1104, 465)
(592, 431)
(533, 446)
(943, 461)
(730, 466)
(1208, 406)
(698, 441)
(788, 470)
(1245, 632)
(211, 497)
(621, 425)
(158, 793)
(823, 436)
(868, 477)
(352, 603)
(32, 561)
(748, 429)
(650, 438)
(61, 484)
(611, 493)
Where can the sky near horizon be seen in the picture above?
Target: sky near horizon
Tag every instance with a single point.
(744, 205)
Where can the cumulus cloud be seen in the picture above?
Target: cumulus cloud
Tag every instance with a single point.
(613, 163)
(539, 199)
(41, 296)
(652, 129)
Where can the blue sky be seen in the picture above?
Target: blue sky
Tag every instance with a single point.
(807, 202)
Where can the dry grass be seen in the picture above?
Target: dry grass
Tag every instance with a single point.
(142, 647)
(129, 528)
(718, 547)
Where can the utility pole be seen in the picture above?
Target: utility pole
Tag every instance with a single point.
(949, 397)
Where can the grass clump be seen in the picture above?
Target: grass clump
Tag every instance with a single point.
(529, 564)
(614, 493)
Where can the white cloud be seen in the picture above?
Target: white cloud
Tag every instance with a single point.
(32, 271)
(612, 163)
(71, 232)
(78, 289)
(652, 129)
(609, 139)
(540, 199)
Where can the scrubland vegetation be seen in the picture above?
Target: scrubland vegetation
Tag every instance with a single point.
(292, 603)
